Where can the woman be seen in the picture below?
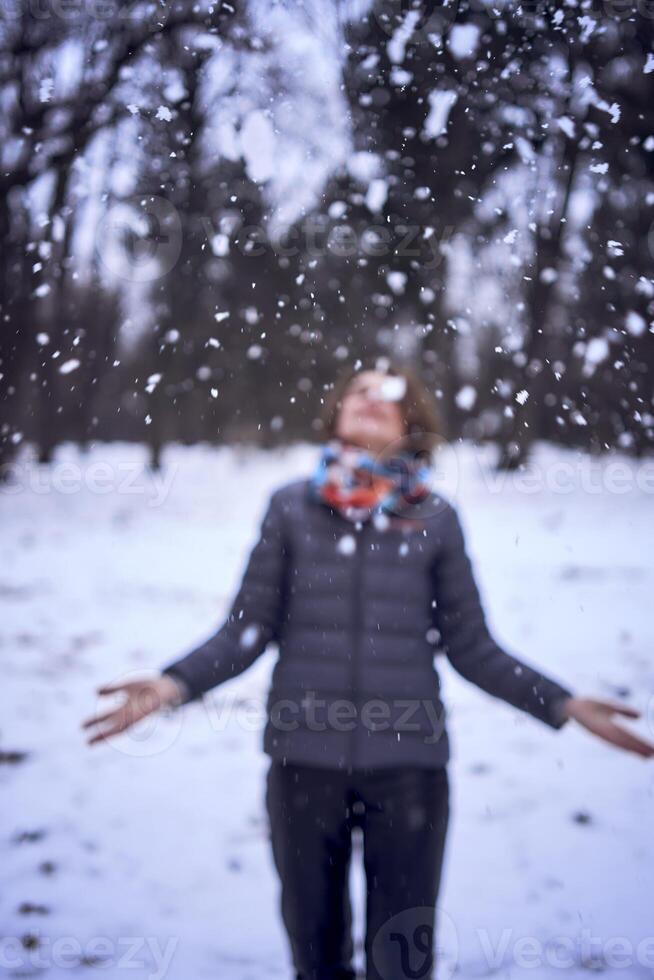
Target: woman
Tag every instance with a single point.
(360, 575)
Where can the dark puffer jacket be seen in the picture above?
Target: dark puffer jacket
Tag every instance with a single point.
(358, 613)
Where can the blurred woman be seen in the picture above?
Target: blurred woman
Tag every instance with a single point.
(360, 575)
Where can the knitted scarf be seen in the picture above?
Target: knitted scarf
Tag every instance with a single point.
(359, 484)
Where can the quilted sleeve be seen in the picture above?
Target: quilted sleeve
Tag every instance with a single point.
(470, 647)
(254, 618)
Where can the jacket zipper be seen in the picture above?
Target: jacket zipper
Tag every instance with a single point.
(356, 635)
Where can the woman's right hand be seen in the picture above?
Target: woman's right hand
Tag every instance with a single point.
(142, 698)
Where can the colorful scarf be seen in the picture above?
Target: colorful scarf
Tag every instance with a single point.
(359, 484)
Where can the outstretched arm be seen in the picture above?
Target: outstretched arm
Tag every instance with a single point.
(473, 652)
(469, 645)
(253, 621)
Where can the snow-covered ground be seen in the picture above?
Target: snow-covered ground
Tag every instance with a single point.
(151, 854)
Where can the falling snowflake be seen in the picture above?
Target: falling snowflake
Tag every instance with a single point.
(567, 126)
(635, 323)
(463, 40)
(376, 194)
(440, 106)
(597, 350)
(397, 282)
(249, 636)
(346, 545)
(220, 245)
(69, 366)
(45, 90)
(466, 397)
(381, 521)
(392, 389)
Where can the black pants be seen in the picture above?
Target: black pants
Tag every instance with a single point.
(403, 813)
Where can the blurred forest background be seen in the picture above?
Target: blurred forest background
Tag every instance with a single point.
(206, 208)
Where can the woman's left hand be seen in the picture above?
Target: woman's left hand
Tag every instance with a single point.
(597, 717)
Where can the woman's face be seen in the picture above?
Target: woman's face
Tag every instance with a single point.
(374, 423)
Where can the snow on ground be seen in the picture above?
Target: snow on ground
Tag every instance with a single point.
(149, 855)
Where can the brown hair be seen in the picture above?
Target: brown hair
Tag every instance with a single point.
(418, 406)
